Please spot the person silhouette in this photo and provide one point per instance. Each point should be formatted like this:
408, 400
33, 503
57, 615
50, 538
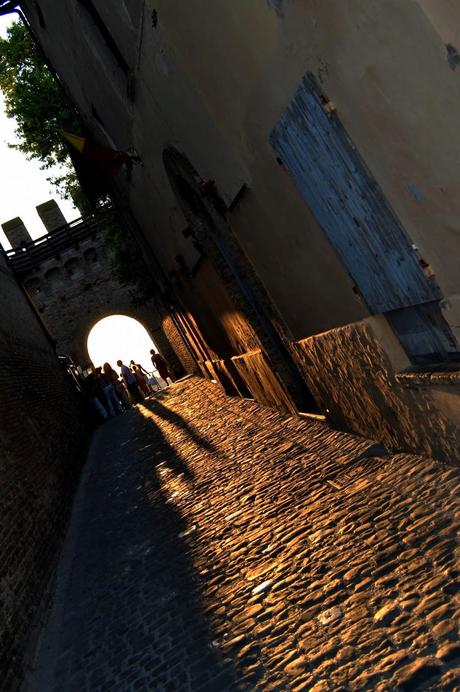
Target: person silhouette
161, 365
130, 382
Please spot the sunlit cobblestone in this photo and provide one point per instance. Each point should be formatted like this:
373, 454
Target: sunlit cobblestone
218, 545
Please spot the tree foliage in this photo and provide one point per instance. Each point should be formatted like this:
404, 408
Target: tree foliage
37, 104
128, 264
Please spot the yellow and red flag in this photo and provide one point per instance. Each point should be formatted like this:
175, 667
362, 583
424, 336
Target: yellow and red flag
109, 161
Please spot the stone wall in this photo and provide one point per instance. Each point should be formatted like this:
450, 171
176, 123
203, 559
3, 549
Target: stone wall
76, 287
43, 434
355, 382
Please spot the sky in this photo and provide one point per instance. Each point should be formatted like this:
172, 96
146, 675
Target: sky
120, 337
22, 184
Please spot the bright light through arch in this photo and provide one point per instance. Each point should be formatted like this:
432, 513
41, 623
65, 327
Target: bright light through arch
120, 337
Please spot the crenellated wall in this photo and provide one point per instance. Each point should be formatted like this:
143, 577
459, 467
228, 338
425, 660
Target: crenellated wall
74, 284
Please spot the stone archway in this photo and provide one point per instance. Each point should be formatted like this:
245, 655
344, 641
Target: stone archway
71, 280
86, 304
208, 294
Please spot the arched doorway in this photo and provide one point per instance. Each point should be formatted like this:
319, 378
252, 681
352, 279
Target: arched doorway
119, 337
233, 313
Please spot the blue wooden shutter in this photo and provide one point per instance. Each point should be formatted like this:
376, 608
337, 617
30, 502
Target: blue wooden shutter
349, 205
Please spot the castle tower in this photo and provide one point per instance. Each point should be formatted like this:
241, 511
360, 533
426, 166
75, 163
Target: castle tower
17, 233
51, 215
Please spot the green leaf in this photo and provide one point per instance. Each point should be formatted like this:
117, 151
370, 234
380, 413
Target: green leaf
35, 101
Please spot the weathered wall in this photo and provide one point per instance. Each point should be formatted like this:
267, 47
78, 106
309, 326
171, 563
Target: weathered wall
42, 439
304, 256
236, 66
356, 383
385, 68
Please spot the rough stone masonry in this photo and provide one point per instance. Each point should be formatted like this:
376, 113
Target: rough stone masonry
70, 275
219, 545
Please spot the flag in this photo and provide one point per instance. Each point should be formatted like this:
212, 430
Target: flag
109, 161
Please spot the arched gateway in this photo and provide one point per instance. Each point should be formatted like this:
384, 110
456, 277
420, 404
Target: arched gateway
69, 276
119, 337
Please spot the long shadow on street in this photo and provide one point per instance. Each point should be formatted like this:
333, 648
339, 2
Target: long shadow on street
128, 612
163, 412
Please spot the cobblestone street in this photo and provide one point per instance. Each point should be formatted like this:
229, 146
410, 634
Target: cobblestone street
219, 545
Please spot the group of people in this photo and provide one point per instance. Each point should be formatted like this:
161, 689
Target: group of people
112, 393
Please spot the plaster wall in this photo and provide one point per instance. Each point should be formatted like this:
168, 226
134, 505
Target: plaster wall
385, 68
445, 18
164, 85
215, 78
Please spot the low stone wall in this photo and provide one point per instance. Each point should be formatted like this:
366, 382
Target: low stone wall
250, 375
43, 435
353, 380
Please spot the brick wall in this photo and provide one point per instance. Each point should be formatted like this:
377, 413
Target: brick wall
177, 345
43, 435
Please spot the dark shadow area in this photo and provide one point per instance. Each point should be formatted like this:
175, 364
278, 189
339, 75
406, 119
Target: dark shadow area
130, 613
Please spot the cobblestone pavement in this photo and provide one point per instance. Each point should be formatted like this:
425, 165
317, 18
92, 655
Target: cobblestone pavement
219, 545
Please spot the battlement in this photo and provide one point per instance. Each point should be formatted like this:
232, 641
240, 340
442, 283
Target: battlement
52, 245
